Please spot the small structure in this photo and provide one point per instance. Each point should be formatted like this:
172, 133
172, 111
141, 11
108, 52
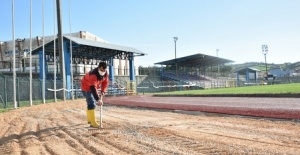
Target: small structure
86, 51
278, 72
246, 71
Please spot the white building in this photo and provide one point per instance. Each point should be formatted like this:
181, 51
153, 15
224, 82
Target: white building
23, 46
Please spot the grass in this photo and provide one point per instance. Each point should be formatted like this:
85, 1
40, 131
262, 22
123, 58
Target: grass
265, 89
10, 105
4, 110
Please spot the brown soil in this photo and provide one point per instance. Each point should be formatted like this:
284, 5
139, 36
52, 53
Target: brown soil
61, 128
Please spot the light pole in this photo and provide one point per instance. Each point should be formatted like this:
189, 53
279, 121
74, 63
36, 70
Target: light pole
60, 46
175, 39
217, 50
265, 52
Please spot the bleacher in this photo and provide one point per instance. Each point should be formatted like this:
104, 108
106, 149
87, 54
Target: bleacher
154, 84
185, 78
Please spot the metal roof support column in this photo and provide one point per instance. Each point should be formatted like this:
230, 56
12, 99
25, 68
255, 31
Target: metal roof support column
247, 75
126, 67
189, 73
131, 68
237, 79
120, 67
68, 71
42, 68
162, 72
111, 71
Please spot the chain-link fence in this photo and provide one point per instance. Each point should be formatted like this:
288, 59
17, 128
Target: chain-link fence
169, 86
152, 83
23, 93
157, 84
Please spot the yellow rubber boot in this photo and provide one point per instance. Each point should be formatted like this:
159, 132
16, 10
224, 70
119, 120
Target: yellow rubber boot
93, 119
88, 116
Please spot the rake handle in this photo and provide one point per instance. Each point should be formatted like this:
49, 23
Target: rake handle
101, 112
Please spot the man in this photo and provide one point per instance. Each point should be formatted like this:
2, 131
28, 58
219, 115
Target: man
90, 83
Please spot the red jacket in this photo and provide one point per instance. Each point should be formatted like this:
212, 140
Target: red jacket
92, 80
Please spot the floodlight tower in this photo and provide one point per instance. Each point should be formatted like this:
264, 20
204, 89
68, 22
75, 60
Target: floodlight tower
175, 40
265, 52
217, 50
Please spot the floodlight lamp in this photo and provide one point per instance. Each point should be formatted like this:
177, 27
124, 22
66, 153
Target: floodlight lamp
264, 49
19, 40
175, 39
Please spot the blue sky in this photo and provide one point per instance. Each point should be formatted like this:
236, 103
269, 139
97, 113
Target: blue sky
237, 28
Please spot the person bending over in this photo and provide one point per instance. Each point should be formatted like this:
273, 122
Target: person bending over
90, 83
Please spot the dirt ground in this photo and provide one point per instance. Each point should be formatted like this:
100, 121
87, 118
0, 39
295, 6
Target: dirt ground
61, 128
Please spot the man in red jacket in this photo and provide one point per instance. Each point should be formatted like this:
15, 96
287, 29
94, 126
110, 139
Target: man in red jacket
90, 83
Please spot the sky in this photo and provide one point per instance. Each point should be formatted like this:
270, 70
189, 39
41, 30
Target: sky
238, 28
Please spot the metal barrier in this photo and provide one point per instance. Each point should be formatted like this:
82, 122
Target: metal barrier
131, 88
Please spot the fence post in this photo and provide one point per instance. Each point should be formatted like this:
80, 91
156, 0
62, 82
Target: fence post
41, 89
75, 85
18, 91
5, 94
52, 81
28, 86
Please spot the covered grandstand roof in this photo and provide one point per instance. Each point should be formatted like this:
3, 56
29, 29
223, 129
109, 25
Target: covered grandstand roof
196, 60
244, 70
90, 49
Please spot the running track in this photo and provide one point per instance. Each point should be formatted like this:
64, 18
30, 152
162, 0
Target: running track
288, 108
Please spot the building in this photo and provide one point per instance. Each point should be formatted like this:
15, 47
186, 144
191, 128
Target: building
121, 67
278, 72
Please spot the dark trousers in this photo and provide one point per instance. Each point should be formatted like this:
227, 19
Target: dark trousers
89, 100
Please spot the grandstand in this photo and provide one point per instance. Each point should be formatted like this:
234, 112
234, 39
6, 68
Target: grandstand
192, 69
191, 74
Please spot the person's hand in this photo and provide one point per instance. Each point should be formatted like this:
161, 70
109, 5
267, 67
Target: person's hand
99, 102
102, 93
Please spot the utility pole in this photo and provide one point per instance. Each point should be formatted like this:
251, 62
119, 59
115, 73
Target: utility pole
217, 50
265, 52
175, 40
61, 47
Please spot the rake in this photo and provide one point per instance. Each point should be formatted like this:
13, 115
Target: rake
101, 97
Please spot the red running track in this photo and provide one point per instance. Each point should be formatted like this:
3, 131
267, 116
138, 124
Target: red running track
288, 108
